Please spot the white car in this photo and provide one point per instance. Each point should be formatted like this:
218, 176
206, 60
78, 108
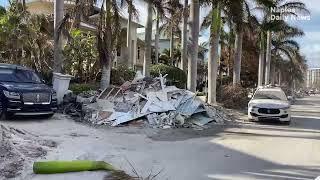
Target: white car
269, 104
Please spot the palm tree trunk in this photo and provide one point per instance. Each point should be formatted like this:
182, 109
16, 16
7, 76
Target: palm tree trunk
77, 19
279, 78
105, 74
184, 42
237, 57
129, 41
273, 74
229, 46
156, 44
58, 17
194, 37
261, 60
148, 36
105, 47
171, 44
268, 58
213, 57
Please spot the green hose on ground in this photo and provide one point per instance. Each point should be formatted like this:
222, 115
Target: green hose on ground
53, 167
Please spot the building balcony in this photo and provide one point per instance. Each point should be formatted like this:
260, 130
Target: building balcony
46, 6
68, 2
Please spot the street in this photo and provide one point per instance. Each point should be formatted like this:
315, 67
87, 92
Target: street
241, 151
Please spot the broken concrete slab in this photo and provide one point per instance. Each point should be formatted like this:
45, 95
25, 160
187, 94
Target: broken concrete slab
201, 120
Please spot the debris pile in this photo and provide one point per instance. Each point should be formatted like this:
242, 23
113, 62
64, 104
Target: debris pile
150, 99
17, 148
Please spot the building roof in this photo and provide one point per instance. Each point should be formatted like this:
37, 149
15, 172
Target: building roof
315, 68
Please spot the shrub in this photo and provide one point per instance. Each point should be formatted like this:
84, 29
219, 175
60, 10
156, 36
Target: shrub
79, 88
234, 97
121, 74
175, 76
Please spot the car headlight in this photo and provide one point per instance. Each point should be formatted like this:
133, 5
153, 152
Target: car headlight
12, 95
54, 95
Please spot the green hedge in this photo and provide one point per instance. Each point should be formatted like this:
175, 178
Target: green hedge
175, 76
121, 74
79, 88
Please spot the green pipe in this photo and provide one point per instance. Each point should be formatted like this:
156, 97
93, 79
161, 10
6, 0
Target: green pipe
53, 167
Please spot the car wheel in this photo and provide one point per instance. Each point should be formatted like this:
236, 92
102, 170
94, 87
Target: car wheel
3, 114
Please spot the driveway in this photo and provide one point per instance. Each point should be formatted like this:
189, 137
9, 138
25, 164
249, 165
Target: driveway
241, 151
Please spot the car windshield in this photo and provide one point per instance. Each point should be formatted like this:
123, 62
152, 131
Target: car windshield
269, 95
19, 76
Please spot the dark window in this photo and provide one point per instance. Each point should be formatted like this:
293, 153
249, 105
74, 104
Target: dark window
138, 52
18, 75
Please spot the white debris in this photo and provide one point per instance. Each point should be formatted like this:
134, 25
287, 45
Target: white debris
150, 99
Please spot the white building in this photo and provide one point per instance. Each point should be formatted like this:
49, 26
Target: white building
47, 7
312, 78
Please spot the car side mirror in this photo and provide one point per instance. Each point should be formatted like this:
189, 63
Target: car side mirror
290, 98
44, 81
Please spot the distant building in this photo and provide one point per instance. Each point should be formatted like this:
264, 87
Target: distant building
164, 43
312, 78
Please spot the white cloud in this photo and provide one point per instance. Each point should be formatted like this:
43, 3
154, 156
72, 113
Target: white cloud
310, 47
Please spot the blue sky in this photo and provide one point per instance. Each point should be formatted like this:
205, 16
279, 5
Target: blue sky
3, 2
310, 43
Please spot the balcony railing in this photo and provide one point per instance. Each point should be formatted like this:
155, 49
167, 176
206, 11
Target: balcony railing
52, 1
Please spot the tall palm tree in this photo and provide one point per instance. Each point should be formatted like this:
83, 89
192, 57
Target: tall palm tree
58, 17
215, 28
236, 12
172, 21
214, 56
297, 7
194, 37
159, 9
148, 37
261, 59
132, 12
184, 39
108, 37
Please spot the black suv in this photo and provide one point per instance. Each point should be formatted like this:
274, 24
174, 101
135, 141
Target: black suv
23, 93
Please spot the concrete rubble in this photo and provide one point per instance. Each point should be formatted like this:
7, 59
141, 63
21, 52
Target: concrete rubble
149, 99
18, 149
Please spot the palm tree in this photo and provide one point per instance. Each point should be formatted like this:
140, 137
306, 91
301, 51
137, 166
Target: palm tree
235, 9
261, 59
194, 37
148, 37
296, 7
108, 38
213, 55
58, 18
184, 38
132, 12
172, 21
159, 16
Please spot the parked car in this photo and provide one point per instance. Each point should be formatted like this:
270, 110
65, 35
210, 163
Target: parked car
312, 92
269, 103
23, 93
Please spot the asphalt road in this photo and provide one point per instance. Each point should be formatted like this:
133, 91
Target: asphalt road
246, 151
